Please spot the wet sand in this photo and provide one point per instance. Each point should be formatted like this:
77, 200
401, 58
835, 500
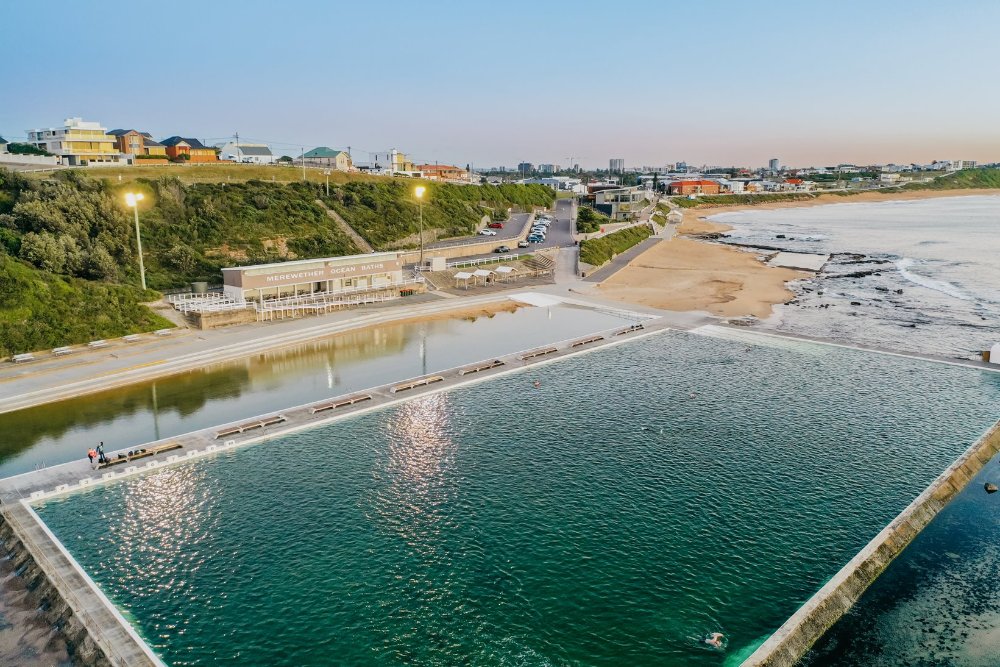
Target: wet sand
689, 273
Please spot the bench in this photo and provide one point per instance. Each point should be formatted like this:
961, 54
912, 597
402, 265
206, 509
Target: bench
139, 454
131, 338
249, 426
539, 353
341, 404
60, 351
423, 382
628, 330
162, 332
95, 344
21, 358
483, 367
587, 341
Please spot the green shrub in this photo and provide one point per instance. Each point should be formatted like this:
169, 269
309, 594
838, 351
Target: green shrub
589, 220
600, 250
40, 310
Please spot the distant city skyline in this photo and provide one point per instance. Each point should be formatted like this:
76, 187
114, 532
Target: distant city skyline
550, 83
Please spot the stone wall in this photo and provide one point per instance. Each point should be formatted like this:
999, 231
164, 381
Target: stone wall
43, 595
791, 641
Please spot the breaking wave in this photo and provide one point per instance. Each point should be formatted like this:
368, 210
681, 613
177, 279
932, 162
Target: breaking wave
937, 285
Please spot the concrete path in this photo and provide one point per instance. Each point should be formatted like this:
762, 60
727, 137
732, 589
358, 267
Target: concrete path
24, 385
359, 241
621, 261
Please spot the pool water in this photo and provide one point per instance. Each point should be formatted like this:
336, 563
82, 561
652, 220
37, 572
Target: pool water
644, 496
146, 411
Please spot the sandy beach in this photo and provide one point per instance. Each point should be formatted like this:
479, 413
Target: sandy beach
688, 273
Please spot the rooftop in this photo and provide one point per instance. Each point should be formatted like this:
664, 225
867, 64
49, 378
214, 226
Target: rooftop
372, 256
322, 151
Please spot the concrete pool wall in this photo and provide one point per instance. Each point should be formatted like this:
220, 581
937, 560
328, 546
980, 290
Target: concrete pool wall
95, 630
797, 635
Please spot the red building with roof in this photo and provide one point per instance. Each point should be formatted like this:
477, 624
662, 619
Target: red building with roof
701, 187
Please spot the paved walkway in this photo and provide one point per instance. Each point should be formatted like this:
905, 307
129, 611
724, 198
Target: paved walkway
621, 261
359, 241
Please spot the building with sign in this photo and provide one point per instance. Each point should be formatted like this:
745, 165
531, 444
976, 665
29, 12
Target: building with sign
331, 275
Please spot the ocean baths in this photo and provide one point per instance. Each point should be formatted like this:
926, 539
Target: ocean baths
606, 516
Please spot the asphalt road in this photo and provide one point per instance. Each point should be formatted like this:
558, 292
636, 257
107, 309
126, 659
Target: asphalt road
560, 233
511, 229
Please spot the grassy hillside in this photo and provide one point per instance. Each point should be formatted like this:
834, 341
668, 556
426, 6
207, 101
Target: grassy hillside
39, 310
387, 211
966, 178
589, 220
215, 173
598, 251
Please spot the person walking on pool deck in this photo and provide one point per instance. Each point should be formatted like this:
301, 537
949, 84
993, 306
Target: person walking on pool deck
91, 454
100, 453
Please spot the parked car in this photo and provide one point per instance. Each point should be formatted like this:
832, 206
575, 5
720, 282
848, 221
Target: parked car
523, 244
501, 248
487, 232
496, 225
536, 238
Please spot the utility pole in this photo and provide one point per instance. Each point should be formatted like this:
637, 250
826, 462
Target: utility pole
238, 147
303, 149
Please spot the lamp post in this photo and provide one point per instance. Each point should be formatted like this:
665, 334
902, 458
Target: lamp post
326, 172
132, 199
419, 191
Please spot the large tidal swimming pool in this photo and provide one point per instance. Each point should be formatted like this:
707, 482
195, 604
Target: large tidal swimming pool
643, 496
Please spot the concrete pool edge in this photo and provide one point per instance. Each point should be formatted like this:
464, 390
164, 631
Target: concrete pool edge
82, 612
786, 646
95, 631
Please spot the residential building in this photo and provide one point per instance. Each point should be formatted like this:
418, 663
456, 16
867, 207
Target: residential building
77, 143
547, 168
134, 143
246, 153
694, 187
564, 183
773, 164
322, 156
195, 151
443, 172
616, 166
733, 186
962, 164
888, 177
620, 204
525, 167
390, 162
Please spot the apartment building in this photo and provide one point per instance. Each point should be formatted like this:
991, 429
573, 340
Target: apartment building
77, 142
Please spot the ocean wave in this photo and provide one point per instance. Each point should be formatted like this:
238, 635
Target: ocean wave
937, 285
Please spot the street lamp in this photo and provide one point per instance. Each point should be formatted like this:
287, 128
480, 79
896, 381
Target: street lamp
132, 199
326, 172
419, 191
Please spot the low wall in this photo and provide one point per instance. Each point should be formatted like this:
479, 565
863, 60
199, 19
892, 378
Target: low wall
791, 641
224, 318
44, 160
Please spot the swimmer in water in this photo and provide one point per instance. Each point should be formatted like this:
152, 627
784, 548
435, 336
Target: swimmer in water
537, 384
715, 639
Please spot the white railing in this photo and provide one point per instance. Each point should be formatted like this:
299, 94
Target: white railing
213, 303
484, 260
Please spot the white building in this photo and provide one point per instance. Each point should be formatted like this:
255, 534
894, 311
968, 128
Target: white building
247, 153
78, 142
962, 164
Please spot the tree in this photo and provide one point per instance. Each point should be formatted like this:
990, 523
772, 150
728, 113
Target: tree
44, 251
285, 158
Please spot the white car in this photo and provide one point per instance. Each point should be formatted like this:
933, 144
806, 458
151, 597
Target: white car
487, 232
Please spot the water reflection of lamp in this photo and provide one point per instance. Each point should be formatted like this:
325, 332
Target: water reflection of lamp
419, 191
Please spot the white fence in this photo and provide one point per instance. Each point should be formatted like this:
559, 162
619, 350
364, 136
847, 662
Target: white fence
213, 303
484, 260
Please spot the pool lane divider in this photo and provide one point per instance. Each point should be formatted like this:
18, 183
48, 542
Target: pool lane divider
796, 636
88, 619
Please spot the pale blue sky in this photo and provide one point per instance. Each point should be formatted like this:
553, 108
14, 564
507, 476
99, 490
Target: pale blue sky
495, 83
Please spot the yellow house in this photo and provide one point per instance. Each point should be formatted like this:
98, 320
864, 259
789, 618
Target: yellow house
78, 142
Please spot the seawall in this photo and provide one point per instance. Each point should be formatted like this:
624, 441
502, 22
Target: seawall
791, 641
66, 597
